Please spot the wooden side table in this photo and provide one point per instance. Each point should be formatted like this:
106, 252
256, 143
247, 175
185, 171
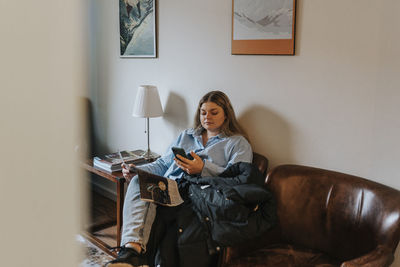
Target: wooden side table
119, 179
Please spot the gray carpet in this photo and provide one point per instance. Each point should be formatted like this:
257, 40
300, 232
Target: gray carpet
94, 257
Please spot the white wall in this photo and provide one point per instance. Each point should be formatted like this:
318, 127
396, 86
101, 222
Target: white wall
42, 71
334, 105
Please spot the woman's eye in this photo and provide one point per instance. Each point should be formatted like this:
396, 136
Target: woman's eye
211, 113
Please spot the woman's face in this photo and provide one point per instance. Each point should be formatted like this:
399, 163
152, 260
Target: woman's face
212, 117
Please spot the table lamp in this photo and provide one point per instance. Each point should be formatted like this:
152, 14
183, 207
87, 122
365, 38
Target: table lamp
147, 105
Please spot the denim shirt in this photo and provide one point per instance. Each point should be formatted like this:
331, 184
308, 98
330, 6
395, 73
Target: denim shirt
219, 153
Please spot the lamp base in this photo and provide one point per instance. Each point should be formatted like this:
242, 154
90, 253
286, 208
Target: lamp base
149, 155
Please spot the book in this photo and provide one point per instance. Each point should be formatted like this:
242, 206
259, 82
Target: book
112, 162
158, 189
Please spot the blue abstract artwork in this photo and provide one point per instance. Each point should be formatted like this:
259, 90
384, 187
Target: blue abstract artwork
137, 28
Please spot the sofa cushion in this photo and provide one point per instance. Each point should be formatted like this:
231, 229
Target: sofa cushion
284, 256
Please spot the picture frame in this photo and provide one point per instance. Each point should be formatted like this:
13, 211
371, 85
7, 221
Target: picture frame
263, 27
137, 27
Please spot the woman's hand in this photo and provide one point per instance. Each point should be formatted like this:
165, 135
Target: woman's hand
126, 173
194, 166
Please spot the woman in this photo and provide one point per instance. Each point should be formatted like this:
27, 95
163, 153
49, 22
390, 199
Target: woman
216, 142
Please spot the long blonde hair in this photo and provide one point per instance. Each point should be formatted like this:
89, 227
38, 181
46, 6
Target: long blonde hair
230, 126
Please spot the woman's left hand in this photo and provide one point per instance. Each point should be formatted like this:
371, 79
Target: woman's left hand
194, 166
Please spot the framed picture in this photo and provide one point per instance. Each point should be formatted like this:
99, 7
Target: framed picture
263, 27
137, 28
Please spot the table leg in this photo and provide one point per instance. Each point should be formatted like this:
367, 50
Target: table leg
120, 204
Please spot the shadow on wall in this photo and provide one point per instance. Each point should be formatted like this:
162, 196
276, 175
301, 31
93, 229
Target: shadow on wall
269, 134
176, 113
88, 142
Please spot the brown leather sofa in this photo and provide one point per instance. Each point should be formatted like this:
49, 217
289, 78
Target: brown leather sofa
326, 219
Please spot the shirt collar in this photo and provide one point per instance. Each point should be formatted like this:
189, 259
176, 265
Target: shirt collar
194, 132
198, 131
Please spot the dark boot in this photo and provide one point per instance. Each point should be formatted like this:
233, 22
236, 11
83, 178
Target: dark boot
128, 257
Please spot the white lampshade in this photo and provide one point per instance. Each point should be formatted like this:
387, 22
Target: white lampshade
147, 102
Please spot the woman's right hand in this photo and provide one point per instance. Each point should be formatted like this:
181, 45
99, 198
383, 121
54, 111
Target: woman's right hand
126, 173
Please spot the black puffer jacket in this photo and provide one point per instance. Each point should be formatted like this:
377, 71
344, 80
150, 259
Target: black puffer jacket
219, 211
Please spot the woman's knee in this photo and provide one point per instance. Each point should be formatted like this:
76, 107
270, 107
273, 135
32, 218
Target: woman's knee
133, 188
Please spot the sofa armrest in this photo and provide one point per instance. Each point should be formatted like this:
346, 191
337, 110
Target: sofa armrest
382, 256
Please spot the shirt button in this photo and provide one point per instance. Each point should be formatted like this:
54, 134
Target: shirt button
180, 230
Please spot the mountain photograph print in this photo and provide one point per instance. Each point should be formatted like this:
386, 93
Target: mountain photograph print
263, 27
137, 25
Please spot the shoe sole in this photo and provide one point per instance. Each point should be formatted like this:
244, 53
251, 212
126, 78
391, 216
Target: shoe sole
118, 264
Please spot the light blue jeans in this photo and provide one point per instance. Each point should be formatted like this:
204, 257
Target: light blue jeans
138, 216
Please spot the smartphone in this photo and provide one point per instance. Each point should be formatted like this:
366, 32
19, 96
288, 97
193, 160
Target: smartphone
181, 151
